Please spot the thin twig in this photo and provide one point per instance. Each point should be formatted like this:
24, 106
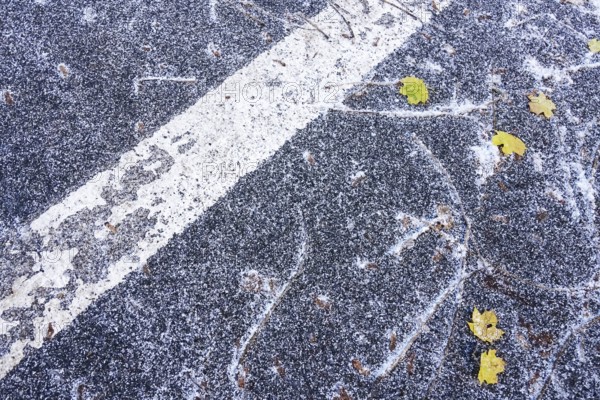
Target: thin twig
260, 22
241, 7
404, 10
313, 25
337, 10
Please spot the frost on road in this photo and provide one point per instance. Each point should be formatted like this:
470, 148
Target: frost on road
342, 200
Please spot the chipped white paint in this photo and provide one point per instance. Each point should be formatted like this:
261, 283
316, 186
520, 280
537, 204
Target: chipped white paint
52, 275
254, 127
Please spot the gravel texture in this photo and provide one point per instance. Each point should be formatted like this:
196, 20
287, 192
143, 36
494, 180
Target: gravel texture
350, 262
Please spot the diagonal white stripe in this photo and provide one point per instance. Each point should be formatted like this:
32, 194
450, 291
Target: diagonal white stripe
251, 115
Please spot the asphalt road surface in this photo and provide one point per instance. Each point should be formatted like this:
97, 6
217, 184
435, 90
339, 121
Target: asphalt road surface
231, 199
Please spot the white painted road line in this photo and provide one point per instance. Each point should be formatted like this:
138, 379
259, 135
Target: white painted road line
243, 122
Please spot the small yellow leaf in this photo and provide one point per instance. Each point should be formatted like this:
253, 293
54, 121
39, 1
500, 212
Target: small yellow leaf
484, 326
541, 104
490, 367
510, 144
594, 45
414, 89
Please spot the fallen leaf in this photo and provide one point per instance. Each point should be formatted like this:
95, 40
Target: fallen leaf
414, 89
50, 331
251, 282
343, 395
594, 45
484, 326
410, 363
323, 302
371, 266
541, 104
279, 367
500, 218
110, 227
241, 378
393, 340
510, 144
490, 367
359, 368
64, 70
309, 158
8, 99
80, 391
358, 178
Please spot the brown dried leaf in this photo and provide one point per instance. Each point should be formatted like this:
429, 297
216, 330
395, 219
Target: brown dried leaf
359, 368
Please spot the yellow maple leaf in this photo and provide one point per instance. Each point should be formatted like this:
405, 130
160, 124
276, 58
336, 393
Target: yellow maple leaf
510, 144
490, 366
414, 89
541, 104
484, 326
594, 45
